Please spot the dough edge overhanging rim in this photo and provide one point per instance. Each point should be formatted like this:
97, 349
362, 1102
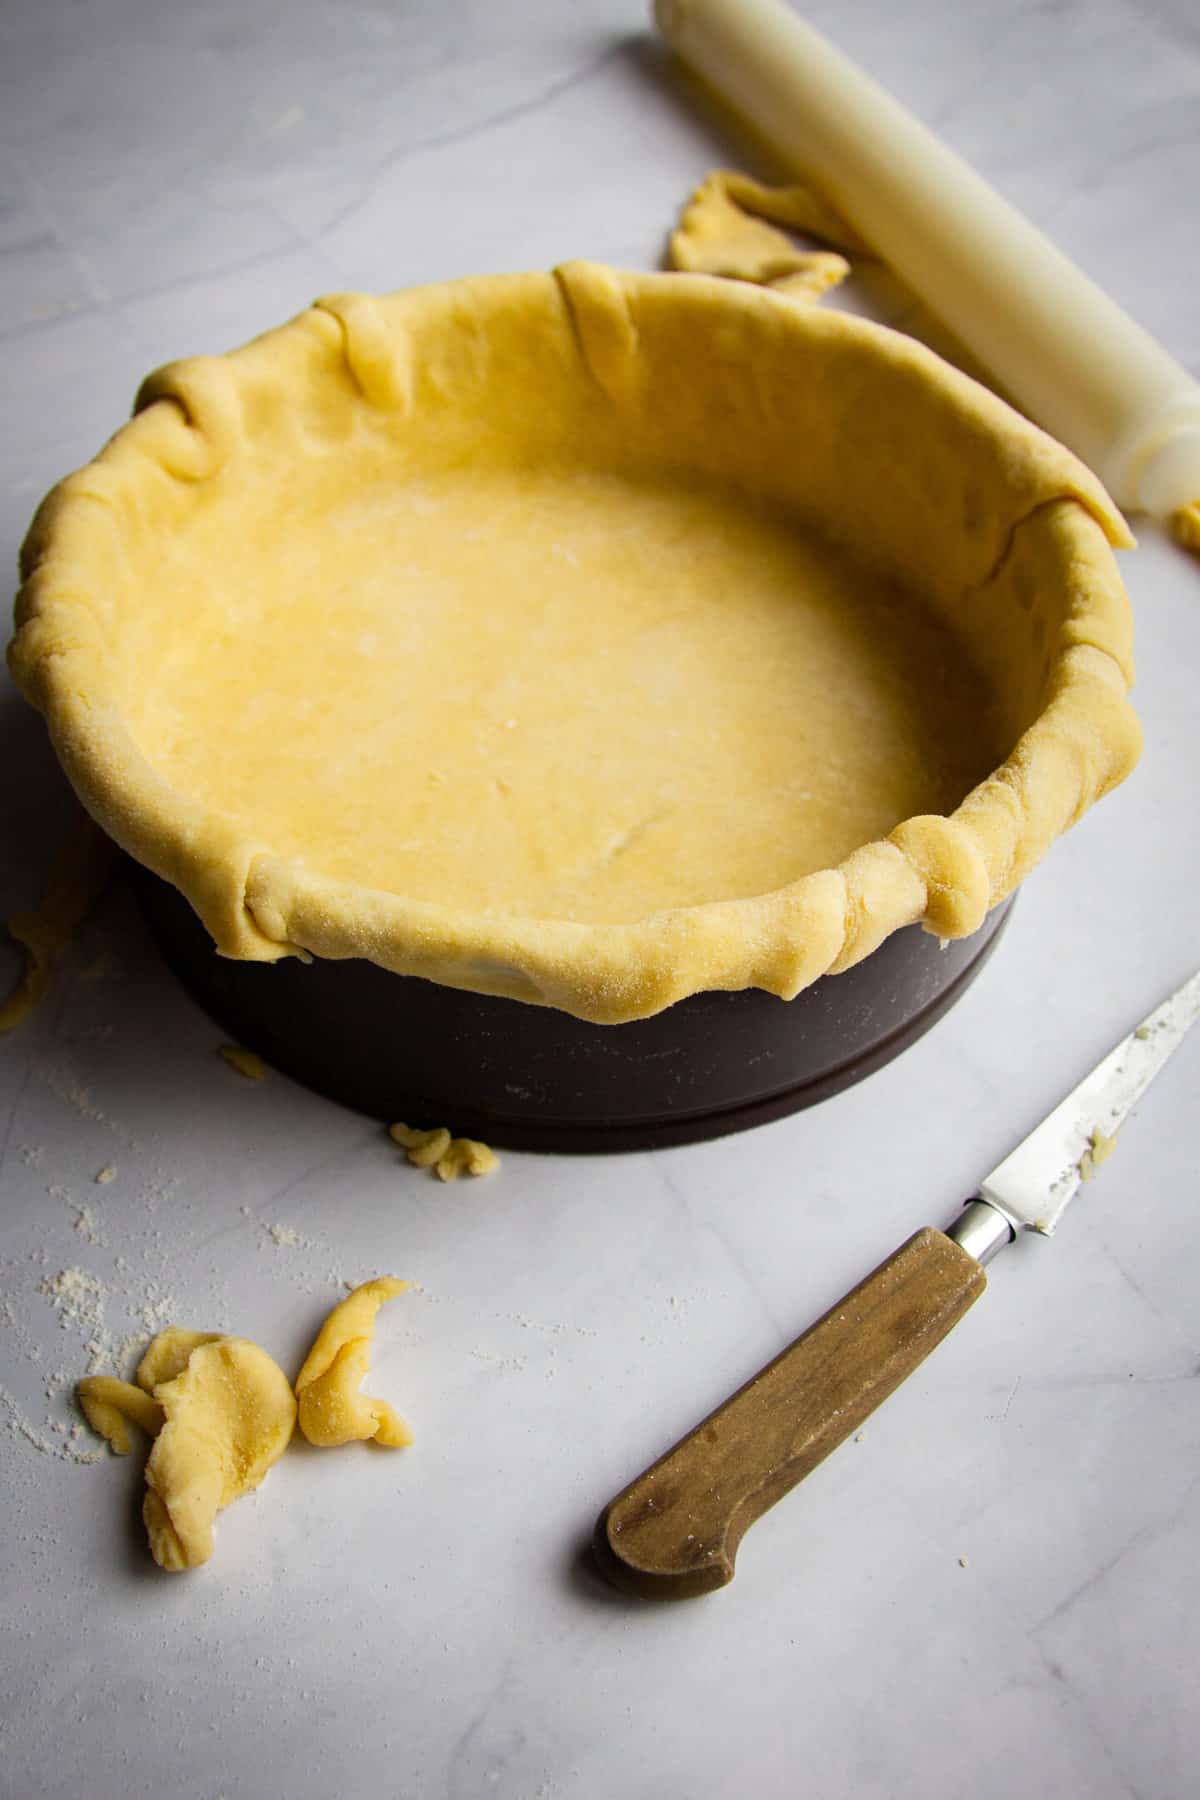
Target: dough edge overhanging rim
945, 873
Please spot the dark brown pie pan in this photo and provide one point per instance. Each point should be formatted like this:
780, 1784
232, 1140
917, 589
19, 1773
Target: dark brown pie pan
533, 1078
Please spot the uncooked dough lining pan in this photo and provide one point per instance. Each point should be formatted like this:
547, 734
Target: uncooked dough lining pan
534, 1078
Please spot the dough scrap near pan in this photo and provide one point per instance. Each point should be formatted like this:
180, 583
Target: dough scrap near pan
110, 1406
220, 1412
331, 1409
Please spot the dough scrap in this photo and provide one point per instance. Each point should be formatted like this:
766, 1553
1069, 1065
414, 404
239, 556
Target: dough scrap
77, 878
1185, 526
109, 1405
220, 1412
331, 1409
728, 228
1100, 1147
229, 1416
465, 1156
423, 1148
448, 1157
246, 1062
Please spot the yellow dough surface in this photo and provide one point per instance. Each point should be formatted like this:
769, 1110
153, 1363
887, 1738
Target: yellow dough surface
495, 632
110, 1406
331, 1409
558, 693
77, 878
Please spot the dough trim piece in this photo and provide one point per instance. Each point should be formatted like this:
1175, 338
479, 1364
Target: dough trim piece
424, 1149
229, 1414
247, 1063
1185, 527
331, 1409
448, 1157
726, 229
998, 530
220, 1412
110, 1406
465, 1156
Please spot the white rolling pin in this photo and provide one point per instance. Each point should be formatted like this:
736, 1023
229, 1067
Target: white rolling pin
1065, 352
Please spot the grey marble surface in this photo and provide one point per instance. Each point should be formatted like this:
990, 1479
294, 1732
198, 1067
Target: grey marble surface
174, 179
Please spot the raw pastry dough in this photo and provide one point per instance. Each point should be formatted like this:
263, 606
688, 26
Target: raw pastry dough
77, 879
229, 1416
110, 1406
448, 1157
465, 1156
245, 1062
423, 1148
589, 638
332, 1411
1185, 526
220, 1412
167, 1354
726, 230
1098, 1149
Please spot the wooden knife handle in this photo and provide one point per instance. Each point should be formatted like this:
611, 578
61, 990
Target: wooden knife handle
674, 1531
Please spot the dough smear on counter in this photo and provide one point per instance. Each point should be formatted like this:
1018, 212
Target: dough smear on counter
332, 1411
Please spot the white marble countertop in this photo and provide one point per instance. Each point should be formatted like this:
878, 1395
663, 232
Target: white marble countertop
996, 1591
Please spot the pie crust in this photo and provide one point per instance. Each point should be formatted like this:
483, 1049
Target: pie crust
590, 638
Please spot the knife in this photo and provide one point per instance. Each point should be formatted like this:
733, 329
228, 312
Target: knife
674, 1532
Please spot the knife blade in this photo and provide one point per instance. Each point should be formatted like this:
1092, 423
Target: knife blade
675, 1530
1035, 1185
